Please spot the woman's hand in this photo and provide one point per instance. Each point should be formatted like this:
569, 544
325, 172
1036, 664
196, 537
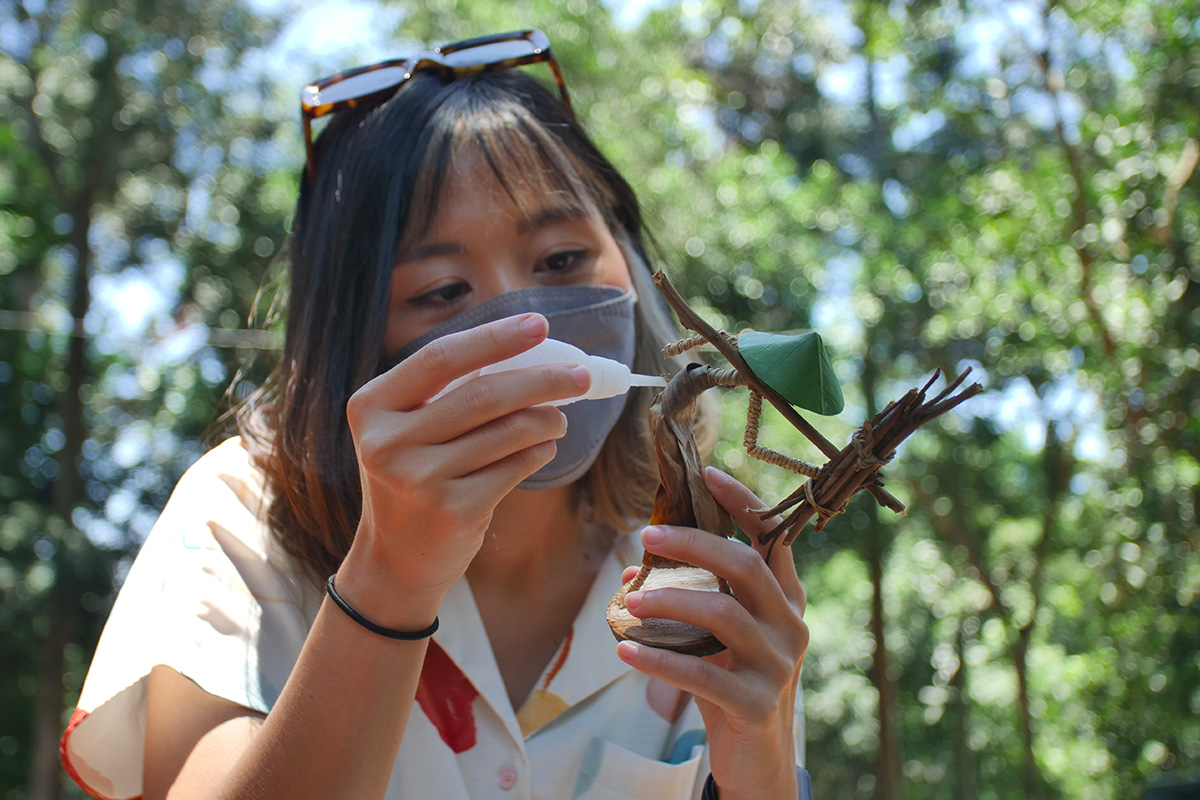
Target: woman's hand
433, 470
746, 694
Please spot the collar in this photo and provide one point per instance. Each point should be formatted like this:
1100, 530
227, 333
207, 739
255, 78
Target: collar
586, 660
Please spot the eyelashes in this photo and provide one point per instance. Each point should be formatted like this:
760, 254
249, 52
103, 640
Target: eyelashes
566, 261
441, 296
565, 265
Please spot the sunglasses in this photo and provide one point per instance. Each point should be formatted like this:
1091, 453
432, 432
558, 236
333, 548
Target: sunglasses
372, 85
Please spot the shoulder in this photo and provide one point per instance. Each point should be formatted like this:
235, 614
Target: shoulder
228, 464
223, 483
220, 506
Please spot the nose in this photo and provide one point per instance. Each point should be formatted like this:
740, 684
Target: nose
500, 278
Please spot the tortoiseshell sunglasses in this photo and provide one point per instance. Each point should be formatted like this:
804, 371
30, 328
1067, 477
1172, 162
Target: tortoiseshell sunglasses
373, 84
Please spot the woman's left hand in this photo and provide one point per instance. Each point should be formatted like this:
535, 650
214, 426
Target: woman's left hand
747, 693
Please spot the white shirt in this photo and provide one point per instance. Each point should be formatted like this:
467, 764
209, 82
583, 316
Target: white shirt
213, 596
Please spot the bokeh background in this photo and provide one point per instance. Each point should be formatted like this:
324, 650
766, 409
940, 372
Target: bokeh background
1005, 186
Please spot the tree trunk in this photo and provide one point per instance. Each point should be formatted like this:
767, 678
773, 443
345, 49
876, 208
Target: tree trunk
888, 773
46, 775
45, 770
888, 768
966, 767
1029, 770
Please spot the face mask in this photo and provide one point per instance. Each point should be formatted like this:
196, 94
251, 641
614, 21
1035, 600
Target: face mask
596, 319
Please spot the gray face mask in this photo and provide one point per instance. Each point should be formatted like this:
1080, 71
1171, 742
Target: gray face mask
596, 319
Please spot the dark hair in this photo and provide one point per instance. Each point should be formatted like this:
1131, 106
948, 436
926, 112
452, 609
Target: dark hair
377, 186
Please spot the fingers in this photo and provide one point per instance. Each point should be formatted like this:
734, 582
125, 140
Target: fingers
741, 503
430, 369
745, 507
754, 583
491, 397
490, 460
770, 645
490, 484
752, 698
501, 438
628, 574
725, 617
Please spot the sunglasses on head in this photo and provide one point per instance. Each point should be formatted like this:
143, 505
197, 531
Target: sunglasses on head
371, 85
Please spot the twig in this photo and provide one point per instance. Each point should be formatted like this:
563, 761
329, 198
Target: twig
870, 448
726, 346
851, 469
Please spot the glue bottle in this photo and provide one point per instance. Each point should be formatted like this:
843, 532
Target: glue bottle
609, 377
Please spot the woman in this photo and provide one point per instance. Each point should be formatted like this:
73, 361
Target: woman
453, 214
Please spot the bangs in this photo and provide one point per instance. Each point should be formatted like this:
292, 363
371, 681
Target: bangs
526, 154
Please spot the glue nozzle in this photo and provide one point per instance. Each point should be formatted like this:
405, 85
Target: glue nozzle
609, 378
647, 380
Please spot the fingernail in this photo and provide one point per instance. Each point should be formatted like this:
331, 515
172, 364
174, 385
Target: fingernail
652, 535
633, 600
533, 326
583, 378
627, 651
715, 476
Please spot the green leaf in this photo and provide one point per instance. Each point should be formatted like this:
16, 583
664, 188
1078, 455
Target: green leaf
796, 366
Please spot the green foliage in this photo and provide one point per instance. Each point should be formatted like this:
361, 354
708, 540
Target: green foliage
128, 230
1010, 188
796, 366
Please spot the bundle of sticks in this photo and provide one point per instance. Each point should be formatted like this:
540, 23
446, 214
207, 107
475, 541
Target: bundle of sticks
857, 465
849, 470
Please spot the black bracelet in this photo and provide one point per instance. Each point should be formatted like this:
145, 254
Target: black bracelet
803, 783
371, 626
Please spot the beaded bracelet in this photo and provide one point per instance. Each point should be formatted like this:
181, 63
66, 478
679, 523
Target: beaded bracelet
371, 626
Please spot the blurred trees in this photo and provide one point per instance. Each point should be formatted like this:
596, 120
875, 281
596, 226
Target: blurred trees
136, 210
1006, 186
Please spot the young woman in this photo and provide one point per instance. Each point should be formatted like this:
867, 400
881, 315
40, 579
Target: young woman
276, 635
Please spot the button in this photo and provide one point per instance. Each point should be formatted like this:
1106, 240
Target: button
507, 778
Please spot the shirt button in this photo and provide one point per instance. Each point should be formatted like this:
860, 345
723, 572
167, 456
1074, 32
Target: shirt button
507, 778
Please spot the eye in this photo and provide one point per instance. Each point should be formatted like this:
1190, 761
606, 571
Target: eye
441, 296
566, 262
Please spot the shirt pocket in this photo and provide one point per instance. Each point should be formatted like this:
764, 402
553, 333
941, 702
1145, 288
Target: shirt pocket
610, 772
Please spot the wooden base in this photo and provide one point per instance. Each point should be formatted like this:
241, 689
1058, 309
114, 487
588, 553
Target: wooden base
666, 633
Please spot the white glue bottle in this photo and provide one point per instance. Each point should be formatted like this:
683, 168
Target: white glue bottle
609, 377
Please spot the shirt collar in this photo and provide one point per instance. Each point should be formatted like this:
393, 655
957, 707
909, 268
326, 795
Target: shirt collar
586, 661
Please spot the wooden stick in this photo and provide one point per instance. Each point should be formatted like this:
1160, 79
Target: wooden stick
692, 321
848, 472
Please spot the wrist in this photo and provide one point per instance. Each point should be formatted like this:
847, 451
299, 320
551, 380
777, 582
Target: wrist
786, 788
769, 775
384, 599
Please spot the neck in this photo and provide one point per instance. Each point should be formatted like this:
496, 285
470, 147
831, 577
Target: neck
530, 578
534, 537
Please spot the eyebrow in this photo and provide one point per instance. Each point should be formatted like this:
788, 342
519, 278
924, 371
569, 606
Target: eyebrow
543, 218
549, 216
431, 250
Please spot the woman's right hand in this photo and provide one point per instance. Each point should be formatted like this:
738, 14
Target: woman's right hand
433, 471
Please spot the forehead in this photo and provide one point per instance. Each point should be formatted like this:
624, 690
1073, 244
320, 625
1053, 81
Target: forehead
473, 193
510, 161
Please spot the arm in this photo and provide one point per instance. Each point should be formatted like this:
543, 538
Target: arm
432, 474
746, 695
334, 731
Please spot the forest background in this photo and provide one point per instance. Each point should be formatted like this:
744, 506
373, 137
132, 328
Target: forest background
1006, 186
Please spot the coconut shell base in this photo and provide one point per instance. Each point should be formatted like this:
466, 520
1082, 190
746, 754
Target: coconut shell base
667, 634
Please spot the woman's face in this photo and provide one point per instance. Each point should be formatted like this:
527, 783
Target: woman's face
480, 245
